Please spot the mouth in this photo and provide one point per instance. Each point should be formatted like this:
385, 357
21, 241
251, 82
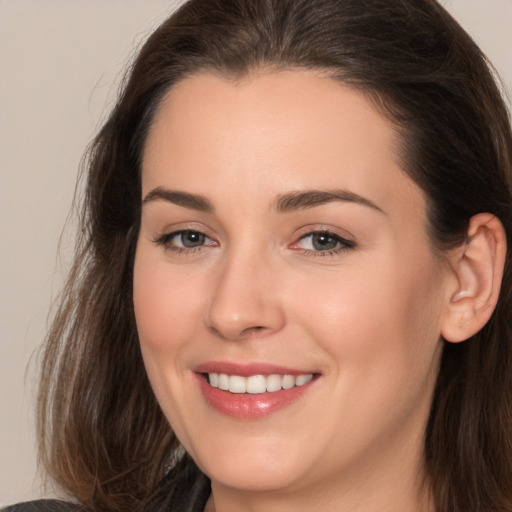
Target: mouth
252, 391
256, 384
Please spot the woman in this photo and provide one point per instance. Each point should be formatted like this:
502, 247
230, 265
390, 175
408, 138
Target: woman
292, 290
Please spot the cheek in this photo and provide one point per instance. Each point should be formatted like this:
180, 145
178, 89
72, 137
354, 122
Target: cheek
381, 318
167, 305
168, 315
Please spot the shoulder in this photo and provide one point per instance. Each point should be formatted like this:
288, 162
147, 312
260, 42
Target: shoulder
43, 506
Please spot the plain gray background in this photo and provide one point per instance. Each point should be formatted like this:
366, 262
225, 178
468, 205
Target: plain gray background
60, 64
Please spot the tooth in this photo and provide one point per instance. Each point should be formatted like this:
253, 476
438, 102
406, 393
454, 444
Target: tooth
223, 381
303, 379
274, 382
237, 384
256, 384
213, 379
288, 381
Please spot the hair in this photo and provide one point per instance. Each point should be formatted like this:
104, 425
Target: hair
103, 437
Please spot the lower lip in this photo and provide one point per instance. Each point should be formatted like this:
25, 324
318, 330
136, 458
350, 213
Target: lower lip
250, 406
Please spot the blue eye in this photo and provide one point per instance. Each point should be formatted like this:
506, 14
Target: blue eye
184, 240
324, 242
189, 239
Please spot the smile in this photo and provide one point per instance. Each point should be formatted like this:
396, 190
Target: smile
252, 390
256, 384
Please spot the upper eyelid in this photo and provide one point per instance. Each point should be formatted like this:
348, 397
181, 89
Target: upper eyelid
306, 232
325, 228
165, 242
324, 232
345, 241
300, 233
340, 238
179, 227
169, 234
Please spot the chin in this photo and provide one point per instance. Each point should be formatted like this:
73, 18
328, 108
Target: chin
251, 469
244, 478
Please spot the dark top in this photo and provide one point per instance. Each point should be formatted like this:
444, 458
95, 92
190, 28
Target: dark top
184, 489
42, 506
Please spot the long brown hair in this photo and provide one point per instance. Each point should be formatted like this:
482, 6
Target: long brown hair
102, 435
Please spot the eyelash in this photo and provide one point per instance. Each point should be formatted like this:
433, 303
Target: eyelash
166, 241
342, 244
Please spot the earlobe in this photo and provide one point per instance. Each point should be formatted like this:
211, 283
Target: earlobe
478, 268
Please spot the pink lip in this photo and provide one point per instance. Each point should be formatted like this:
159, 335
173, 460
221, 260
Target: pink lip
249, 406
246, 370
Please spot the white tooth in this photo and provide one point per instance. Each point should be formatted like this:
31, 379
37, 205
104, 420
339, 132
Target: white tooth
237, 384
303, 379
223, 381
288, 381
274, 382
256, 384
213, 379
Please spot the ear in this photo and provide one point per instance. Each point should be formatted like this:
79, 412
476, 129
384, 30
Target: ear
478, 269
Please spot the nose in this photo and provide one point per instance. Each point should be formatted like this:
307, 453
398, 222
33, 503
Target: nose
245, 301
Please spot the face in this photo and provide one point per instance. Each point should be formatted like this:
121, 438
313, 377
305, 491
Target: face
287, 297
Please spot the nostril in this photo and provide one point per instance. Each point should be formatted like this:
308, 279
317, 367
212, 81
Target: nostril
249, 332
257, 329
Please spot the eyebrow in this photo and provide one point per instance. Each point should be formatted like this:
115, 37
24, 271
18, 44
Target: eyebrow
185, 199
312, 198
285, 203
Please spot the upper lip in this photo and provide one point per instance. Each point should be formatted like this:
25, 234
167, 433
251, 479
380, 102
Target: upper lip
248, 369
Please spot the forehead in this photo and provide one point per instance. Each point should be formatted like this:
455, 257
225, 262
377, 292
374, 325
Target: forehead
289, 129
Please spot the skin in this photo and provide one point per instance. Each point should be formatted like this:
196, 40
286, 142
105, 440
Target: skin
366, 318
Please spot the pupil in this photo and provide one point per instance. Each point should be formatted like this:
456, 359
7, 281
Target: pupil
192, 239
324, 241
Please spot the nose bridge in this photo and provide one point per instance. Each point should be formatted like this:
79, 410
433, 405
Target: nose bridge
244, 300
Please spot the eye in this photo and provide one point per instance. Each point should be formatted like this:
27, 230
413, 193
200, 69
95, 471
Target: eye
188, 239
185, 240
324, 243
